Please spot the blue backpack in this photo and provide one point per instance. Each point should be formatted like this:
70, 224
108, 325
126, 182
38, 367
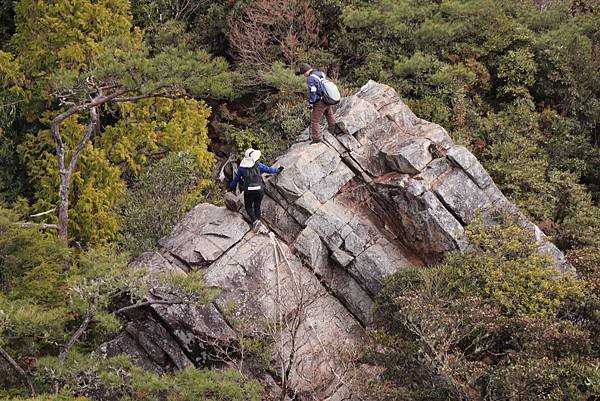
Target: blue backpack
251, 179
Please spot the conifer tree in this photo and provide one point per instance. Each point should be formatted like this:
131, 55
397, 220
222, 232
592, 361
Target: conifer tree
80, 58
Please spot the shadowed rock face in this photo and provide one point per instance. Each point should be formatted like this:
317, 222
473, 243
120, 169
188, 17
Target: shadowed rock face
388, 192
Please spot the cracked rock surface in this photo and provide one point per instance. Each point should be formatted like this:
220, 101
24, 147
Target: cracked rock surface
345, 214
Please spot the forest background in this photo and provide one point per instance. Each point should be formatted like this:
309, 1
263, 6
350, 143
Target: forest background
161, 91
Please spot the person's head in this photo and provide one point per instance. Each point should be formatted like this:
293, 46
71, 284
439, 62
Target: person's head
304, 69
251, 156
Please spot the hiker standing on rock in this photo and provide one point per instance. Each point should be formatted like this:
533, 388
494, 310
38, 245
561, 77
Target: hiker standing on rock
250, 178
322, 94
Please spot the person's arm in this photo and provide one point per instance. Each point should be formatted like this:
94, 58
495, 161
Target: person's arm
312, 83
234, 183
269, 170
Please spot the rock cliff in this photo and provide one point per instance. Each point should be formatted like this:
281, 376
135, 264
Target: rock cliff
389, 191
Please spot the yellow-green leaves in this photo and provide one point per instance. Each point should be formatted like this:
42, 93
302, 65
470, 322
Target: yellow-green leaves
150, 129
66, 34
11, 76
510, 272
96, 189
147, 132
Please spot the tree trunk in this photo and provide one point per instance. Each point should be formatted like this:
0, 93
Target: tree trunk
66, 171
63, 205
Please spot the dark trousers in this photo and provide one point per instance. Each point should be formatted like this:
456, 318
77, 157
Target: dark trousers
252, 200
318, 110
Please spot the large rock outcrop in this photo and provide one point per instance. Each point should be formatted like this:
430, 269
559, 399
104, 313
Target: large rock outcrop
390, 191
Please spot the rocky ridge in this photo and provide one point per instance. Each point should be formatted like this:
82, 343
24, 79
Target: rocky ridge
391, 190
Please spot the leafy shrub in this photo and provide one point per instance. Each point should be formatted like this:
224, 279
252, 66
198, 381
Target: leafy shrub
161, 196
494, 322
535, 379
510, 273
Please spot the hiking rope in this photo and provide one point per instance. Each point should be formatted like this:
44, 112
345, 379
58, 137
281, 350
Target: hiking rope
278, 303
278, 249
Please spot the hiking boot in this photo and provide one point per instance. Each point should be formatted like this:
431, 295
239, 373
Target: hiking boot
256, 226
316, 141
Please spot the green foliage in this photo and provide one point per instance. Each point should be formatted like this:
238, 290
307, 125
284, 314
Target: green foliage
152, 128
496, 322
283, 78
192, 384
512, 275
162, 194
279, 109
55, 50
147, 132
517, 70
27, 255
534, 379
90, 375
58, 69
96, 189
42, 306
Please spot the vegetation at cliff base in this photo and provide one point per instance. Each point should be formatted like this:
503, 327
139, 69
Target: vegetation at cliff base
495, 322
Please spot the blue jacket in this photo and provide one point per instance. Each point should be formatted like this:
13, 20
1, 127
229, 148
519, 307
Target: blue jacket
315, 90
261, 167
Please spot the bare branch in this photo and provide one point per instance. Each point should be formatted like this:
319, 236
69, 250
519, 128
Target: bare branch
43, 213
141, 97
97, 101
43, 226
82, 328
5, 355
147, 303
271, 30
11, 104
93, 124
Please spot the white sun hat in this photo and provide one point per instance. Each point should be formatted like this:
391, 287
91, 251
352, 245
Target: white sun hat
251, 157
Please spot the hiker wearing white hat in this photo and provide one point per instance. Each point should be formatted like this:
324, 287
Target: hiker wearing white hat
250, 179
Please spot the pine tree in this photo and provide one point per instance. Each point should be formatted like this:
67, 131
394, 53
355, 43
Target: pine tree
80, 56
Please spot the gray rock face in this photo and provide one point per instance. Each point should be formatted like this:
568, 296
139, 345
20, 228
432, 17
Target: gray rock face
204, 234
344, 215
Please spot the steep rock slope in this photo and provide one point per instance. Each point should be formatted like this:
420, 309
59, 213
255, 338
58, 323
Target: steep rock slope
389, 191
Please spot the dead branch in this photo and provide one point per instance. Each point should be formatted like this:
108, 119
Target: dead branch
273, 29
82, 328
6, 356
148, 303
43, 226
184, 9
11, 104
43, 213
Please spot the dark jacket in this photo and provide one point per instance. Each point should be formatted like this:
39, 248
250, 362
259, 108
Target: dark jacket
315, 90
261, 167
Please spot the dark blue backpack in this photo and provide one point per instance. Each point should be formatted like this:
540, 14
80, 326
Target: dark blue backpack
251, 179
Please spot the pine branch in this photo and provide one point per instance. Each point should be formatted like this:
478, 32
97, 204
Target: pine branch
147, 303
